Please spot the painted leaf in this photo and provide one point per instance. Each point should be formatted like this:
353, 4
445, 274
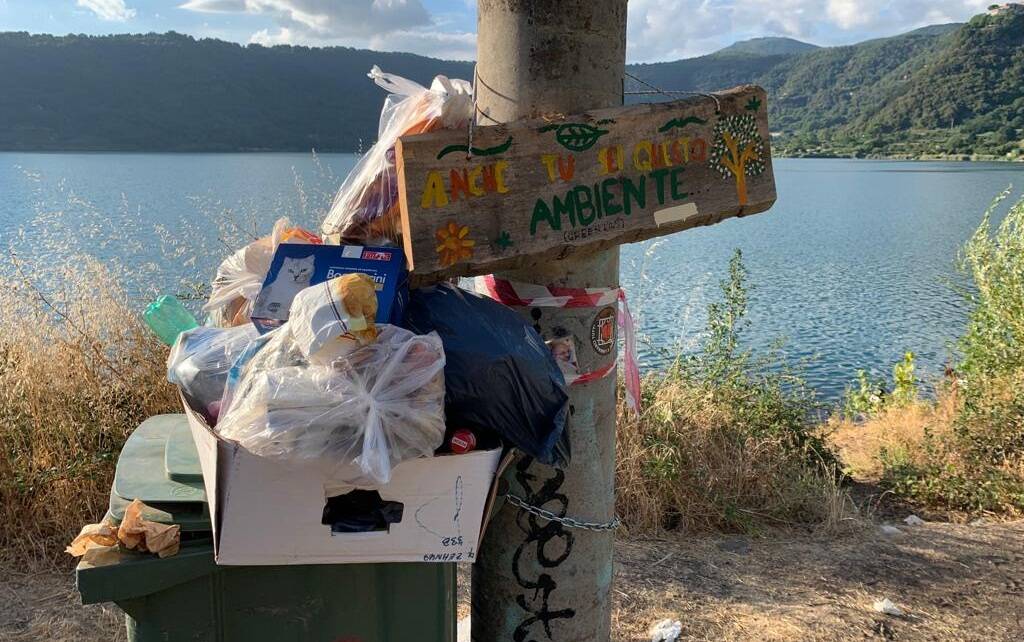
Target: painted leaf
578, 137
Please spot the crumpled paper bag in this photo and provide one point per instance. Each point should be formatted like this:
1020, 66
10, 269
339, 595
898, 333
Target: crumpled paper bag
93, 536
134, 533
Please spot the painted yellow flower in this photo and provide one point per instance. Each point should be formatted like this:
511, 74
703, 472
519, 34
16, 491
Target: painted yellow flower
452, 244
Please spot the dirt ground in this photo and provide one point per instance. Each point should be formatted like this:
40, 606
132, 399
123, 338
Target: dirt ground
952, 581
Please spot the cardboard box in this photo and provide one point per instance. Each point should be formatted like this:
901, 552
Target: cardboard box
296, 266
268, 512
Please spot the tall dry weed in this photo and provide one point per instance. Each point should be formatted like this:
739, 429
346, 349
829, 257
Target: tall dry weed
726, 440
896, 428
78, 372
690, 462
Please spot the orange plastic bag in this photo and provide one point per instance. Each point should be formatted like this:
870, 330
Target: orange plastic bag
365, 210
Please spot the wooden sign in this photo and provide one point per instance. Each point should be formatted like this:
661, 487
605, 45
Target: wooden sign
538, 190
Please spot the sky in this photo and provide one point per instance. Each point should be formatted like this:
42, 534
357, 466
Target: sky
657, 30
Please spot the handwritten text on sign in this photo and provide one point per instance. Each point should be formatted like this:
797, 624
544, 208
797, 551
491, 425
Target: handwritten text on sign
536, 190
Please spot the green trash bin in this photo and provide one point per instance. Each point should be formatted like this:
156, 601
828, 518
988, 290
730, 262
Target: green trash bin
189, 597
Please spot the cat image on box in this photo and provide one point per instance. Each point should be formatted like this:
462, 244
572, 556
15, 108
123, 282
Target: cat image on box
276, 298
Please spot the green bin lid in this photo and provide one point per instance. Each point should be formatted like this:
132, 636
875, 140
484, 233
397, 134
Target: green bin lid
159, 466
181, 461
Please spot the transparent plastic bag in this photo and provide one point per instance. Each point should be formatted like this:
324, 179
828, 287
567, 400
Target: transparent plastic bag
365, 210
199, 363
240, 276
379, 405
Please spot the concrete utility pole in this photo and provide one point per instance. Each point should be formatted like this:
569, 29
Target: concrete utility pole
535, 579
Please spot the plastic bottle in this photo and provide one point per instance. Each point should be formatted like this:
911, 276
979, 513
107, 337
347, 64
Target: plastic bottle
168, 318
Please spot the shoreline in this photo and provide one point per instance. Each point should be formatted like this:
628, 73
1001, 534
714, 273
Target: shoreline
924, 158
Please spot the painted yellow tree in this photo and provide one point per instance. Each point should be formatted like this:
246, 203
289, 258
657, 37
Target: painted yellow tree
738, 151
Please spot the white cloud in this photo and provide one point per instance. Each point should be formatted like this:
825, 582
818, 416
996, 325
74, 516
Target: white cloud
444, 45
384, 25
215, 6
847, 14
113, 10
320, 21
283, 36
657, 30
670, 29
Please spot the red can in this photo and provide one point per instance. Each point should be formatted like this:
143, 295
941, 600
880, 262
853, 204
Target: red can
462, 441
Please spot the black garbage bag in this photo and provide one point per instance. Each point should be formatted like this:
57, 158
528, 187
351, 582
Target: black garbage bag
498, 374
361, 511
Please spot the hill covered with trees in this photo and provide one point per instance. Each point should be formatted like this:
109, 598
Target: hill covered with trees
955, 90
175, 93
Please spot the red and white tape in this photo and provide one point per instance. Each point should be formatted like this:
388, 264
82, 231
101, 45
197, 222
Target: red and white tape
514, 293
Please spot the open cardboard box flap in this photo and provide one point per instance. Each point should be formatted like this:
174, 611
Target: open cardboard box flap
269, 512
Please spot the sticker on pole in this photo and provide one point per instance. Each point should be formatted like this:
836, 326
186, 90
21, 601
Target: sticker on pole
602, 331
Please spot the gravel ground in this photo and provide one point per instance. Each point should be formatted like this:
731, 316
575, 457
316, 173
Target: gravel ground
952, 582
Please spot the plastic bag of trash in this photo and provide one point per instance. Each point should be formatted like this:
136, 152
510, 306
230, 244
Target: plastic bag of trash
376, 406
499, 376
365, 210
331, 319
199, 363
240, 276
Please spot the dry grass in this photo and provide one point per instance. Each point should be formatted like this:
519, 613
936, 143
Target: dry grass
897, 429
40, 603
691, 463
960, 454
78, 372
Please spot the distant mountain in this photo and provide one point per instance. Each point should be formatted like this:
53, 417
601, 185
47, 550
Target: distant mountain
960, 92
945, 89
175, 93
769, 47
936, 30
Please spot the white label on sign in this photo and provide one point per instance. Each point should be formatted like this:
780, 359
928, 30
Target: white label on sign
675, 214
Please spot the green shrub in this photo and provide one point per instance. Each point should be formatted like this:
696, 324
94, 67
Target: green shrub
865, 397
977, 462
868, 395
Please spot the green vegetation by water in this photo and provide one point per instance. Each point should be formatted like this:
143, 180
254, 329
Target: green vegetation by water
964, 450
977, 464
953, 95
946, 91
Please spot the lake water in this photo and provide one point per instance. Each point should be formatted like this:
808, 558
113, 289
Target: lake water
851, 266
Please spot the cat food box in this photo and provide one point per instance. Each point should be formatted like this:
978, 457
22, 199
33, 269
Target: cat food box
296, 266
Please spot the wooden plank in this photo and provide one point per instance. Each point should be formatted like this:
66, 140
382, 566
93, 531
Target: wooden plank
540, 190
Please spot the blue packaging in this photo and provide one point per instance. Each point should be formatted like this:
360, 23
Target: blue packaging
297, 266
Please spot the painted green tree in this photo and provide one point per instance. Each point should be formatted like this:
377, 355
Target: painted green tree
738, 151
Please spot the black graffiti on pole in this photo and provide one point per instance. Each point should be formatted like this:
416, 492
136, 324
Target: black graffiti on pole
540, 532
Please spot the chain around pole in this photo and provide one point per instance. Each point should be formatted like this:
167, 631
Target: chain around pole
564, 521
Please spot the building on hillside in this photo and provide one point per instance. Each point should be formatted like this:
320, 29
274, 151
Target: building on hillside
1006, 7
